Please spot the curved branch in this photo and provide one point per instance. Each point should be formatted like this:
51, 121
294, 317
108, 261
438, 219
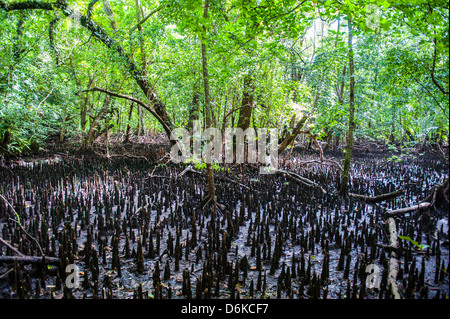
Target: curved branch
133, 99
140, 23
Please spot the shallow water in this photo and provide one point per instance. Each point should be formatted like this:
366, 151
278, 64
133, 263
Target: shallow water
62, 199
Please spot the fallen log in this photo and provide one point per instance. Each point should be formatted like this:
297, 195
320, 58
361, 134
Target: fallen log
30, 260
405, 210
300, 179
378, 198
393, 261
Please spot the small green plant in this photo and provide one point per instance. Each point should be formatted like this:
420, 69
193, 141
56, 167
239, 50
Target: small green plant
394, 158
392, 147
199, 165
420, 246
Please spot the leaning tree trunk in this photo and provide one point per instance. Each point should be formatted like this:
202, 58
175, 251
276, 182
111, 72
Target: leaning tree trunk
351, 116
290, 137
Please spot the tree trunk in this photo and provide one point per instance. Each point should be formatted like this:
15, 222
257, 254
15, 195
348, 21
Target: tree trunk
291, 136
245, 113
84, 104
93, 129
193, 116
209, 171
140, 125
141, 130
5, 140
351, 115
107, 139
130, 114
328, 139
193, 112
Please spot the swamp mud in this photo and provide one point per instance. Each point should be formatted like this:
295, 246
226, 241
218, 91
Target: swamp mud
132, 229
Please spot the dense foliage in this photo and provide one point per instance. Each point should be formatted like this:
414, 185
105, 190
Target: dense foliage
289, 57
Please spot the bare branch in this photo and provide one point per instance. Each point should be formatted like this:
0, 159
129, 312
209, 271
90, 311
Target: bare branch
131, 98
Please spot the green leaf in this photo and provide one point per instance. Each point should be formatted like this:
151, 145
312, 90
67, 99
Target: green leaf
420, 246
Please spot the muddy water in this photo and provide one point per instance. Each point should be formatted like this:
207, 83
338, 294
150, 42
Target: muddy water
128, 200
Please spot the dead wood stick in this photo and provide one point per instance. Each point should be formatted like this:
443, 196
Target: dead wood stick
405, 210
7, 272
141, 157
393, 261
187, 169
324, 162
29, 259
4, 242
300, 179
18, 222
127, 155
290, 152
28, 234
377, 199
